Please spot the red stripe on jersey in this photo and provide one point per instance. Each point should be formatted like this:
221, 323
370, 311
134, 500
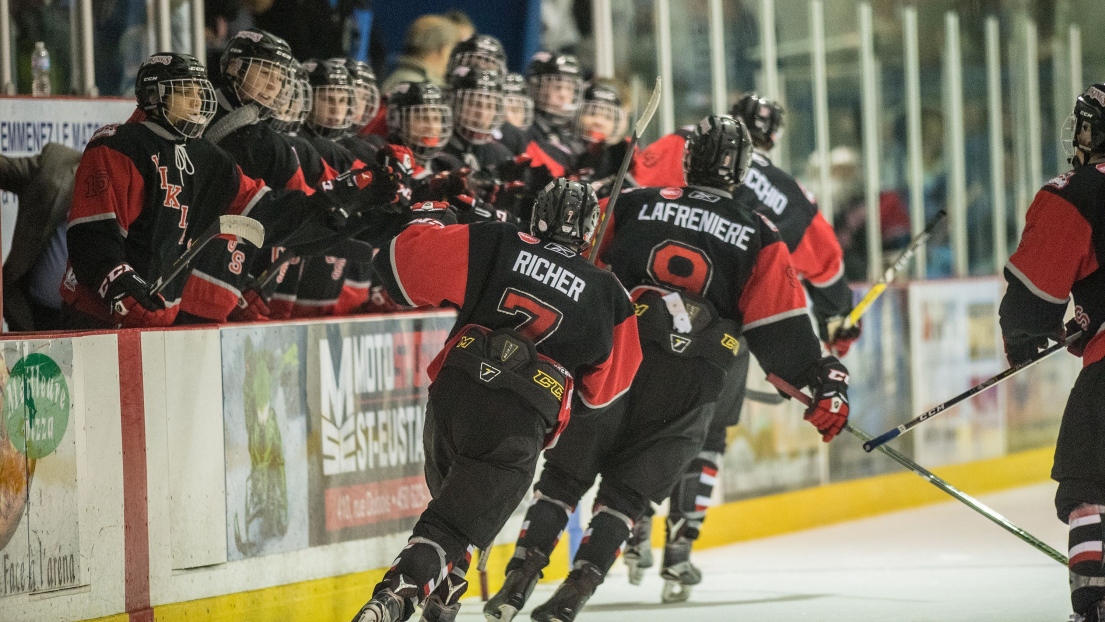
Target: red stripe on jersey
430, 263
248, 189
1056, 248
818, 256
378, 125
206, 298
352, 296
661, 164
711, 471
107, 184
538, 157
773, 291
1085, 556
299, 182
328, 172
603, 383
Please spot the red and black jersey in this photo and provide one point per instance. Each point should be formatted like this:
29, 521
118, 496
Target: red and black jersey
315, 169
459, 152
363, 146
513, 138
815, 252
1059, 255
550, 146
142, 196
499, 277
814, 249
703, 242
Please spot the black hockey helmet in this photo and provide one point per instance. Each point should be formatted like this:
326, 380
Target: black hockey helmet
554, 84
478, 52
331, 97
1088, 134
762, 116
419, 118
366, 93
718, 152
601, 118
174, 91
566, 212
517, 102
256, 65
476, 96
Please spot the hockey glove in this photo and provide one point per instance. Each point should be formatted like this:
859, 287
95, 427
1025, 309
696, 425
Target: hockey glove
435, 211
1020, 347
513, 170
829, 410
838, 338
442, 186
251, 308
1078, 347
130, 300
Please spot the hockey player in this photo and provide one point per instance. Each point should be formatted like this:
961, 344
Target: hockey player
518, 114
536, 322
817, 256
1058, 257
701, 269
599, 128
148, 189
478, 52
419, 119
554, 84
476, 98
366, 103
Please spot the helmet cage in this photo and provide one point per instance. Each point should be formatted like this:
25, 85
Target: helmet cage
290, 118
593, 119
543, 89
187, 105
1089, 114
476, 59
261, 81
424, 128
326, 117
477, 113
368, 93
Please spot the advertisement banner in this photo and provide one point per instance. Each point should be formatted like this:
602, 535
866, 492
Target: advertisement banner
956, 344
39, 537
265, 436
366, 395
27, 125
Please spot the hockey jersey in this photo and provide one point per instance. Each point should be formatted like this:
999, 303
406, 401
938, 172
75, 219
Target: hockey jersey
1059, 256
496, 276
703, 242
142, 196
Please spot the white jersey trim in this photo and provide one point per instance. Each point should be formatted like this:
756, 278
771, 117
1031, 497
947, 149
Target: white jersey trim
1032, 286
604, 404
257, 197
395, 273
831, 281
775, 318
93, 218
217, 282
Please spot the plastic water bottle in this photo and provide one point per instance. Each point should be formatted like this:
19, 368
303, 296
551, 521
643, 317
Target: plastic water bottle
40, 70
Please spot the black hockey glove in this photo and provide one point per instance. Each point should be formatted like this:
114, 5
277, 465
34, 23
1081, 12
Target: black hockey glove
469, 209
442, 186
123, 282
1021, 347
435, 211
1078, 346
829, 411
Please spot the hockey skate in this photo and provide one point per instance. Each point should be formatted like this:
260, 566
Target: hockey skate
570, 597
508, 601
638, 550
385, 606
679, 573
434, 610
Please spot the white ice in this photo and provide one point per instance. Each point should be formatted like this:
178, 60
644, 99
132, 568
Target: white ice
939, 563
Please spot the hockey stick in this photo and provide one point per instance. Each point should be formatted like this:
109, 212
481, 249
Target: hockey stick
638, 129
936, 410
963, 497
482, 568
873, 294
228, 227
764, 397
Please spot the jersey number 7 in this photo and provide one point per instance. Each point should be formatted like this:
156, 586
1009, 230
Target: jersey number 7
539, 318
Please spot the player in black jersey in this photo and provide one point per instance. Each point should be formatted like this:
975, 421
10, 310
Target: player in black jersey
1059, 257
536, 324
366, 102
476, 98
518, 117
148, 188
555, 85
599, 126
702, 269
419, 119
817, 256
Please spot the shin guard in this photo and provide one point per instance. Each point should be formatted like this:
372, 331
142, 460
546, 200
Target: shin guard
603, 540
544, 523
1087, 574
691, 496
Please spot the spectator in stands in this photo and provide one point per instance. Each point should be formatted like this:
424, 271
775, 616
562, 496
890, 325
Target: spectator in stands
463, 24
430, 40
34, 268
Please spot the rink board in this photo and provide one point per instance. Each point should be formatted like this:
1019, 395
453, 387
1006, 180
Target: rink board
271, 471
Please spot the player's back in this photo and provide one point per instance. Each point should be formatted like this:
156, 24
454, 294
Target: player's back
696, 240
775, 194
546, 290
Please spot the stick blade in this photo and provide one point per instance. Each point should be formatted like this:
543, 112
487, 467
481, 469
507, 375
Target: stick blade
650, 108
242, 227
